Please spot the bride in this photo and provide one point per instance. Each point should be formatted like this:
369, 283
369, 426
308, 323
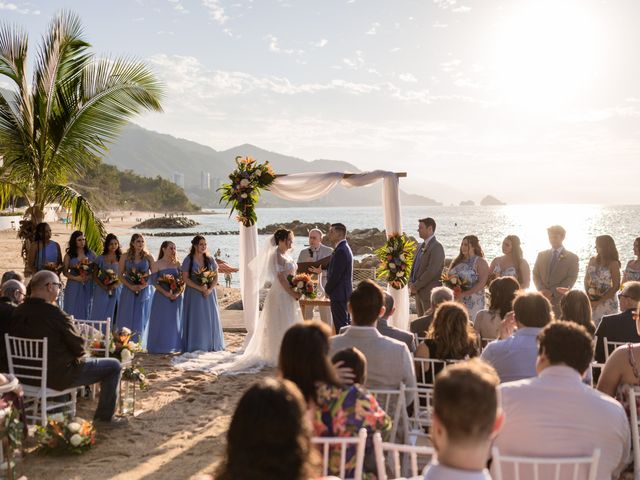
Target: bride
280, 311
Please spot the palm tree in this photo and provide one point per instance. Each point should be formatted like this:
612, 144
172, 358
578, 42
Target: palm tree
51, 130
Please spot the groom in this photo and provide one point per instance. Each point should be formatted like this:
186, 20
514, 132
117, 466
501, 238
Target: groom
339, 276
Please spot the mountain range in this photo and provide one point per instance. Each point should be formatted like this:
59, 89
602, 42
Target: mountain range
151, 154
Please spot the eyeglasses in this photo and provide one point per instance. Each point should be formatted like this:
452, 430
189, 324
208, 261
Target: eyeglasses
18, 292
57, 284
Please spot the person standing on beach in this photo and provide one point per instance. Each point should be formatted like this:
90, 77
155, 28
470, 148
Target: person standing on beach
427, 265
316, 251
555, 269
43, 251
78, 292
339, 276
105, 297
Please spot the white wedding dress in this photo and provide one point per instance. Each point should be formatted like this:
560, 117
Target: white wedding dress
279, 312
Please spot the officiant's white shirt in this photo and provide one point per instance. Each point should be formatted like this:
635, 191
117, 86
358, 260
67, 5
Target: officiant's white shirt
556, 415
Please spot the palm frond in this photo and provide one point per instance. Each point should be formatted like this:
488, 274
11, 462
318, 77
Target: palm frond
13, 54
83, 216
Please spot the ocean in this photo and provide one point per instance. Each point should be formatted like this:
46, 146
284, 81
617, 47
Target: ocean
491, 224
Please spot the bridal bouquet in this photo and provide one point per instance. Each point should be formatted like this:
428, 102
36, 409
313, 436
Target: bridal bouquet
244, 190
83, 268
303, 285
171, 283
455, 283
66, 434
396, 258
137, 277
109, 279
204, 276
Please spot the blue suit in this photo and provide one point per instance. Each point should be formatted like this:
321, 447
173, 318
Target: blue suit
339, 284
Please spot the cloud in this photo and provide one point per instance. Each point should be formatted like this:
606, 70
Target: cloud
216, 11
274, 47
440, 25
445, 4
12, 7
450, 65
320, 43
461, 9
407, 77
374, 28
177, 6
165, 32
355, 62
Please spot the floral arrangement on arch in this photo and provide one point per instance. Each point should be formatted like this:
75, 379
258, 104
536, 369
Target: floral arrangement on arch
396, 258
244, 190
64, 434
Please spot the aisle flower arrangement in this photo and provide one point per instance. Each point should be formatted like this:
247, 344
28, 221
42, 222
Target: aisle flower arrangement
303, 285
123, 347
247, 180
108, 278
64, 434
396, 258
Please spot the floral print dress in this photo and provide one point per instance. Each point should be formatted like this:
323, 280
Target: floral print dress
600, 280
342, 412
466, 271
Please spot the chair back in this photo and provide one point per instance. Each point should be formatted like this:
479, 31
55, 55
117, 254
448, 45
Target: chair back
328, 444
544, 468
633, 395
392, 402
394, 452
610, 346
417, 415
426, 370
95, 331
27, 359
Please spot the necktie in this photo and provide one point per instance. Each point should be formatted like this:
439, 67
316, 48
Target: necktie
554, 260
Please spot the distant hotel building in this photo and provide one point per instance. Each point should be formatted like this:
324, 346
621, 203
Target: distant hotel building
205, 180
178, 179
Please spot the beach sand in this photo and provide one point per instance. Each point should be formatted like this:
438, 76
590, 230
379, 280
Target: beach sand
180, 430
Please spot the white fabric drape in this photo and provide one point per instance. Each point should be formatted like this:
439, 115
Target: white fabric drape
311, 186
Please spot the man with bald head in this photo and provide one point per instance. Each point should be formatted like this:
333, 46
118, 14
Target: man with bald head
12, 293
39, 317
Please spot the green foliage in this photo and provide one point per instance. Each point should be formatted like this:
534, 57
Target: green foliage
107, 188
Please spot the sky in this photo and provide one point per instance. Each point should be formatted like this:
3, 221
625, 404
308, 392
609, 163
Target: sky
530, 101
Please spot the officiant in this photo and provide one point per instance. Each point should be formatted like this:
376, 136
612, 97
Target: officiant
314, 254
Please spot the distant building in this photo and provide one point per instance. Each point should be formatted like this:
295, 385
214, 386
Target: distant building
216, 183
205, 180
178, 179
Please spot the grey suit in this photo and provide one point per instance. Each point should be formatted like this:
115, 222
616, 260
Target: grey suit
564, 274
308, 255
392, 332
427, 274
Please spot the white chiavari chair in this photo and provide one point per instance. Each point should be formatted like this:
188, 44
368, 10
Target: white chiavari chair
544, 468
328, 445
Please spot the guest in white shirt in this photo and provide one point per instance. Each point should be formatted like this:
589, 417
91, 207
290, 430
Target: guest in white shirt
466, 418
389, 362
556, 415
514, 358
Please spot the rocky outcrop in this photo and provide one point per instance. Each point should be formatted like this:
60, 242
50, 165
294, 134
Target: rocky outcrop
490, 200
467, 203
167, 222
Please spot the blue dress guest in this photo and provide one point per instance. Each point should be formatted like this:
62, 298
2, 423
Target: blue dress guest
78, 268
471, 267
134, 304
105, 297
632, 270
44, 251
201, 327
166, 308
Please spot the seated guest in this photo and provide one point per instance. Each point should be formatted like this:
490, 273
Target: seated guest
466, 418
40, 317
576, 307
555, 414
355, 361
269, 437
438, 295
389, 362
11, 275
12, 294
502, 291
389, 330
514, 358
338, 410
620, 327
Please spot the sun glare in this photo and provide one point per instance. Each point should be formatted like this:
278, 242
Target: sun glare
546, 54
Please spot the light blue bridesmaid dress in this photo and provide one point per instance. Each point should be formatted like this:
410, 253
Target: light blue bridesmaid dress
201, 326
48, 254
78, 295
104, 306
165, 319
133, 310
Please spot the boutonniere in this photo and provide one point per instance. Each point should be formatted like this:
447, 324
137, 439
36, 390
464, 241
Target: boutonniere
423, 248
562, 255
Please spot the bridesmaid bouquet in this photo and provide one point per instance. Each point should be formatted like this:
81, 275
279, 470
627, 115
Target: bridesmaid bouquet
52, 267
171, 283
455, 283
303, 285
109, 279
396, 258
83, 268
137, 277
66, 434
203, 276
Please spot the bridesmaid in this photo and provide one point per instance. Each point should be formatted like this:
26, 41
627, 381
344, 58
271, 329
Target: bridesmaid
166, 307
602, 279
511, 263
43, 250
201, 327
135, 300
79, 289
105, 298
632, 271
470, 266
